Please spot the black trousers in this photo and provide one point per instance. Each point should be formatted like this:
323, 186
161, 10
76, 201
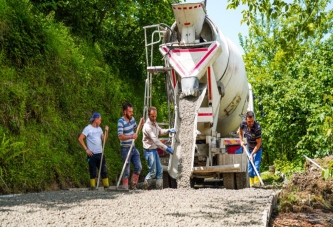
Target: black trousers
94, 163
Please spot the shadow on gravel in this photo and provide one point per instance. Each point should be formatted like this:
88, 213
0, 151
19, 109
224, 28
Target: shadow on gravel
61, 199
230, 209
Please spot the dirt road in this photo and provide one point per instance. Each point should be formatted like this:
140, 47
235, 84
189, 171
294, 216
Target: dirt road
167, 207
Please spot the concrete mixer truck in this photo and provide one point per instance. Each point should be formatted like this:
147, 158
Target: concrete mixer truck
207, 93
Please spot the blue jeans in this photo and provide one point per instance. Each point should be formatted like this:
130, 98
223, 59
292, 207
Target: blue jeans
134, 158
154, 164
256, 161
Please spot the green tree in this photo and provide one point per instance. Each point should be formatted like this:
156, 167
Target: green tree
59, 62
288, 61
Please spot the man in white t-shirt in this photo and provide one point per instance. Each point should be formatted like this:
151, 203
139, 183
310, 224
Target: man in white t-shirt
94, 136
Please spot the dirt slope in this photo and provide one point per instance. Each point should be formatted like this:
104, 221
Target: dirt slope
307, 200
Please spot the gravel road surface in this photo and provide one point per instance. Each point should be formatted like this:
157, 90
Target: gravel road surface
167, 207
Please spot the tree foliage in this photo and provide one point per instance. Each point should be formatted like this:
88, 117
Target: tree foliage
60, 61
288, 57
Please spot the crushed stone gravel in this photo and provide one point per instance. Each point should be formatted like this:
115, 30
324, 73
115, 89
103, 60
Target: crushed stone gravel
167, 207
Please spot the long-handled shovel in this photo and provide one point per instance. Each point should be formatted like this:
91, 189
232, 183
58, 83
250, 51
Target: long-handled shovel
255, 169
100, 164
128, 154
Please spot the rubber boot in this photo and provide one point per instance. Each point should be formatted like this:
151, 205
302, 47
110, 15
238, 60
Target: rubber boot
134, 180
105, 183
251, 181
92, 184
159, 184
256, 182
125, 184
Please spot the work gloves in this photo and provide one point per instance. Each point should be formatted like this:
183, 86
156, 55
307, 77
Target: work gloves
169, 150
172, 130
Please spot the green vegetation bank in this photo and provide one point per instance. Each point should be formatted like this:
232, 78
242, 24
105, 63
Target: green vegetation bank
59, 62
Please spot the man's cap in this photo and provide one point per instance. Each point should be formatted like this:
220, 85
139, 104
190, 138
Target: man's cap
94, 116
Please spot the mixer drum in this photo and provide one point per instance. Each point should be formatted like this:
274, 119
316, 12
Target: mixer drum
228, 67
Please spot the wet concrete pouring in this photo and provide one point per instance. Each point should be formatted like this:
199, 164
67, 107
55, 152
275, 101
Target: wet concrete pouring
188, 108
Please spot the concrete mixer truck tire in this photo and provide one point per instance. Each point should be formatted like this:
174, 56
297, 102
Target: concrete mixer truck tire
235, 180
242, 180
172, 182
168, 182
229, 181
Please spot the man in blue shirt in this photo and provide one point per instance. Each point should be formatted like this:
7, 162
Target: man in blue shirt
94, 137
252, 132
126, 134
